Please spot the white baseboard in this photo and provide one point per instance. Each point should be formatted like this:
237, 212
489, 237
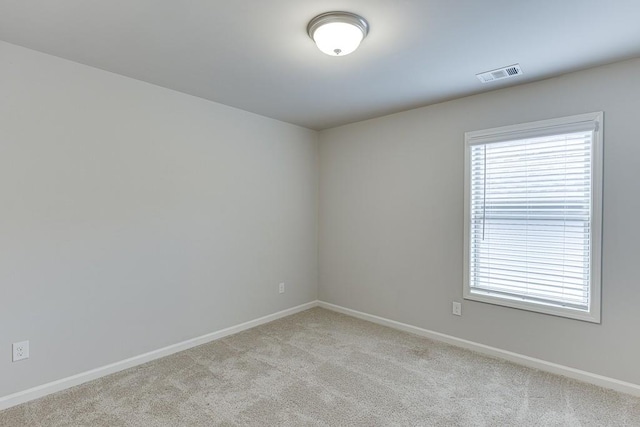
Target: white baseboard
64, 383
74, 380
531, 362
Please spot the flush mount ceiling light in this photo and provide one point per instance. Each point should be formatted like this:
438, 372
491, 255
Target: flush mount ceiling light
338, 33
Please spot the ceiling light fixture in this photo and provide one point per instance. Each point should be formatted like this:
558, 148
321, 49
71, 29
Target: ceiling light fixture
338, 33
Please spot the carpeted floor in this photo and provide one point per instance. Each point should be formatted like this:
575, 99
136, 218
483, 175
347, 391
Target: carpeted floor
320, 368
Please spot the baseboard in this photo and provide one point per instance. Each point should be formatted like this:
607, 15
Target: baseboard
531, 362
64, 383
74, 380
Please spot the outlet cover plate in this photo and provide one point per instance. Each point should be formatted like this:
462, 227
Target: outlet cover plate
20, 350
457, 308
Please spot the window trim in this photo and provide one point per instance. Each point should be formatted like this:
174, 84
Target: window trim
532, 129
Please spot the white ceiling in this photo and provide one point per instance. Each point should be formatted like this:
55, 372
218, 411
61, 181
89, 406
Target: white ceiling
256, 55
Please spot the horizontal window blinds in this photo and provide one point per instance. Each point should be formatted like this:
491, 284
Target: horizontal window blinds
530, 218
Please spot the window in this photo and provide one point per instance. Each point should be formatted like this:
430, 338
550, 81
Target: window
533, 204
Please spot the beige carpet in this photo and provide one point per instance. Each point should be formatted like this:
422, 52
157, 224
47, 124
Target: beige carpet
320, 368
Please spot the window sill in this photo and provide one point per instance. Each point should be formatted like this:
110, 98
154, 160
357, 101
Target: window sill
570, 313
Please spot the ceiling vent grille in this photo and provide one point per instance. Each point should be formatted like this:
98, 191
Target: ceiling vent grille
500, 73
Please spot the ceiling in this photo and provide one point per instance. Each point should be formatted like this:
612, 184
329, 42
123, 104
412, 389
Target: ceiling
256, 55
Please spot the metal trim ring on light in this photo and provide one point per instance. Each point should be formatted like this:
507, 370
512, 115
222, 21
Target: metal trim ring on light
342, 17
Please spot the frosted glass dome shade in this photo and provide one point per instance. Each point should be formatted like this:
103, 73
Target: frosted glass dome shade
338, 38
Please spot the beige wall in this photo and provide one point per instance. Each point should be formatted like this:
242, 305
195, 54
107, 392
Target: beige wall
391, 207
135, 217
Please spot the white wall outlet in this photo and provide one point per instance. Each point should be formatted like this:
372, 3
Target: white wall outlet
20, 350
457, 308
281, 288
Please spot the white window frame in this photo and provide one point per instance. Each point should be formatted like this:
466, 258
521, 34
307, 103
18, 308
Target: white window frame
533, 129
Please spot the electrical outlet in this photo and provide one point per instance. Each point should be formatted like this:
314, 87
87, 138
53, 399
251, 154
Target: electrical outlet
20, 350
457, 308
281, 288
